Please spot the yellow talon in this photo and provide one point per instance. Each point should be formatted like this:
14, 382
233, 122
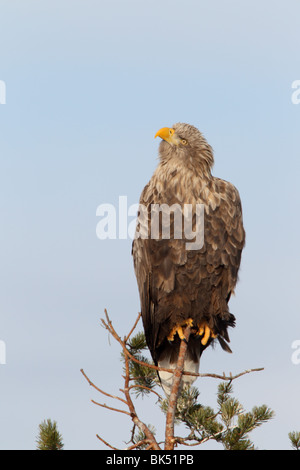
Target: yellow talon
203, 330
172, 334
189, 322
179, 330
206, 336
206, 332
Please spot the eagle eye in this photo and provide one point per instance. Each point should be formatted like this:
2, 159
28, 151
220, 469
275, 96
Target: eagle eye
184, 142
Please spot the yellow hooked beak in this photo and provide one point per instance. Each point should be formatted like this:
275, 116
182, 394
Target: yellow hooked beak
168, 134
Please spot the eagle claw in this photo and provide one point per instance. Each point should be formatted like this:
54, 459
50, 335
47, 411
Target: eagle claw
206, 332
179, 329
203, 330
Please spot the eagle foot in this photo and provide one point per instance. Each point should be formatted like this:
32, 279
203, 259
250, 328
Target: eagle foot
206, 332
179, 329
202, 330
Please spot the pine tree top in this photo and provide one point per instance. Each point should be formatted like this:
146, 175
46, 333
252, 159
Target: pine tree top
49, 438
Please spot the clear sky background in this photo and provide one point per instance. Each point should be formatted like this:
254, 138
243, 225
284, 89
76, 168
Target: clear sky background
88, 84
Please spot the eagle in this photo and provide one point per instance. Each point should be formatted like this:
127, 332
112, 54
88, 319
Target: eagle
182, 282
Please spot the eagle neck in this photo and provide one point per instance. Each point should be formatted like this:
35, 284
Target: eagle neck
174, 170
181, 183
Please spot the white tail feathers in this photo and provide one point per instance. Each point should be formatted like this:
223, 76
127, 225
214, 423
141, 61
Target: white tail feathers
166, 378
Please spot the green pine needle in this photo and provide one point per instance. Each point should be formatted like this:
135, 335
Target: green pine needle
49, 438
295, 440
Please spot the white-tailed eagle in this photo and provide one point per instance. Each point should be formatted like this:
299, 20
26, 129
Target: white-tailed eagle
180, 283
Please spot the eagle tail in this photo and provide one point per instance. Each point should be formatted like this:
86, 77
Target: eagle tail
168, 360
223, 336
224, 345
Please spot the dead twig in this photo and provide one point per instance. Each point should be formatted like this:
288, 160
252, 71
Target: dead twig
128, 401
99, 389
142, 427
103, 405
106, 443
133, 328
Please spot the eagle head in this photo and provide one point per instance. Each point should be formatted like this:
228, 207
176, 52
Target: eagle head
186, 142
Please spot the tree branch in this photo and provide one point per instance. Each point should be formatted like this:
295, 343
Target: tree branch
145, 388
131, 407
133, 328
177, 376
106, 443
128, 401
103, 405
99, 389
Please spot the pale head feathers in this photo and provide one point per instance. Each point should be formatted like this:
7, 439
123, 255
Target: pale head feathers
195, 153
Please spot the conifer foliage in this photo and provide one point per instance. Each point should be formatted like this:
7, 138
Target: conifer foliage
229, 424
49, 438
295, 440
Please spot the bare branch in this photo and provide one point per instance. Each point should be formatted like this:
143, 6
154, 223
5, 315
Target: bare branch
133, 328
128, 401
103, 405
106, 443
99, 389
177, 376
199, 441
138, 444
131, 407
145, 388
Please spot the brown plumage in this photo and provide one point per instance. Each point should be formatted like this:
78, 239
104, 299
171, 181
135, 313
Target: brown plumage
178, 284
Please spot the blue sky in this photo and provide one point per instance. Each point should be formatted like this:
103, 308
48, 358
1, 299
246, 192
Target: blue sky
88, 84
